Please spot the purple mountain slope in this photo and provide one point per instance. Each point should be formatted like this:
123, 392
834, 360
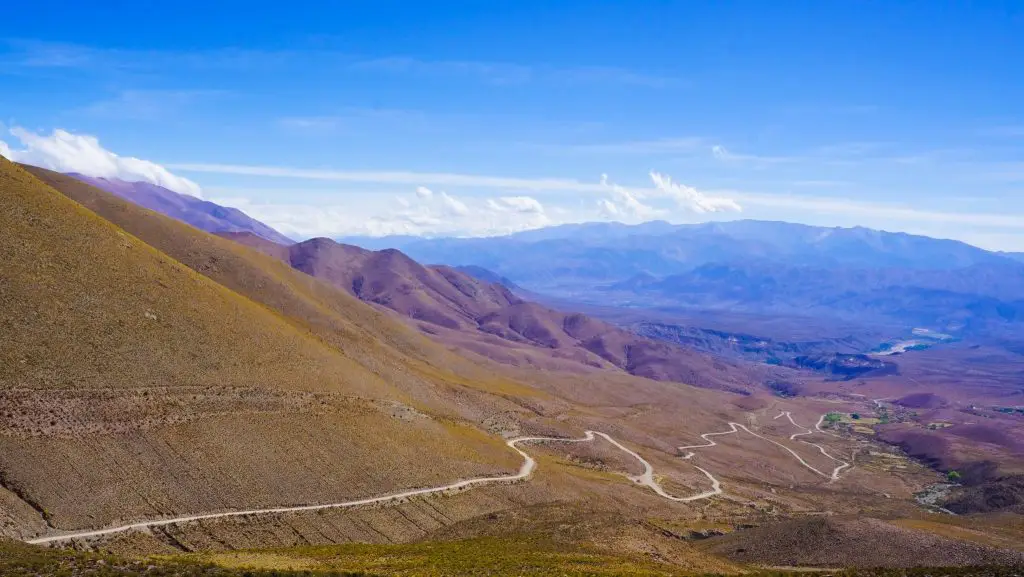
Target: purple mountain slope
199, 213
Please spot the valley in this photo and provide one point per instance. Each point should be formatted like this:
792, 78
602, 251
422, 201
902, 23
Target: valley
496, 289
255, 396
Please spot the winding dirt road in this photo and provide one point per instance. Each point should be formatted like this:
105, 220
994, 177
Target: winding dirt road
529, 465
737, 427
527, 468
842, 464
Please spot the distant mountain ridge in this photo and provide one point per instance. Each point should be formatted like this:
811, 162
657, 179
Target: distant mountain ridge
202, 214
754, 266
661, 248
486, 318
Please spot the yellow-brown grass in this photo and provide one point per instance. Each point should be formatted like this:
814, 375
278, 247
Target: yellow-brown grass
88, 309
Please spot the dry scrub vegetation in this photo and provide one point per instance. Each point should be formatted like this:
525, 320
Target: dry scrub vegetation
150, 369
134, 386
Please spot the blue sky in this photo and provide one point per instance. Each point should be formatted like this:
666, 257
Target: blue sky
475, 118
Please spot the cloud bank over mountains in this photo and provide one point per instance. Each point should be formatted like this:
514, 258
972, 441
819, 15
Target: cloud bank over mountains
470, 206
63, 151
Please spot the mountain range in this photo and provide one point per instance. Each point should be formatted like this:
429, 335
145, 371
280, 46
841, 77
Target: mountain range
147, 362
753, 266
485, 318
171, 392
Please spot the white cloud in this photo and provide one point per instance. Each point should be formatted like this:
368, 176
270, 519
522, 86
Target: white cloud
63, 151
720, 152
525, 204
368, 213
453, 205
723, 154
625, 202
424, 192
629, 200
878, 211
608, 209
610, 202
663, 146
396, 177
690, 198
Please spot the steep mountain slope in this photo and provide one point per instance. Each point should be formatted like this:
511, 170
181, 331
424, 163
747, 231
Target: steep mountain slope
333, 315
202, 214
488, 319
134, 386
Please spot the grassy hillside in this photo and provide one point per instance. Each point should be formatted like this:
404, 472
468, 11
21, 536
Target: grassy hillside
132, 385
86, 305
459, 310
423, 370
489, 557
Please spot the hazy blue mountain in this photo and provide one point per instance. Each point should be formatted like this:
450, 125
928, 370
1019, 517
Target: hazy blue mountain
594, 231
1017, 256
753, 266
970, 298
485, 275
611, 252
397, 242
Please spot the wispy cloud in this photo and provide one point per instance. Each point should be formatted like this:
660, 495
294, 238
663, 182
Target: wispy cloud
422, 212
42, 54
624, 203
883, 211
689, 198
723, 154
1006, 130
310, 123
1004, 172
524, 204
494, 72
821, 183
396, 177
501, 73
147, 104
629, 200
661, 146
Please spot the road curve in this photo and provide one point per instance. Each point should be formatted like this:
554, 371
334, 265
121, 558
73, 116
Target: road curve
842, 464
525, 470
737, 427
647, 477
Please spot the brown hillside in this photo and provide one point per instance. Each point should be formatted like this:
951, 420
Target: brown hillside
489, 320
76, 283
132, 385
847, 542
377, 341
